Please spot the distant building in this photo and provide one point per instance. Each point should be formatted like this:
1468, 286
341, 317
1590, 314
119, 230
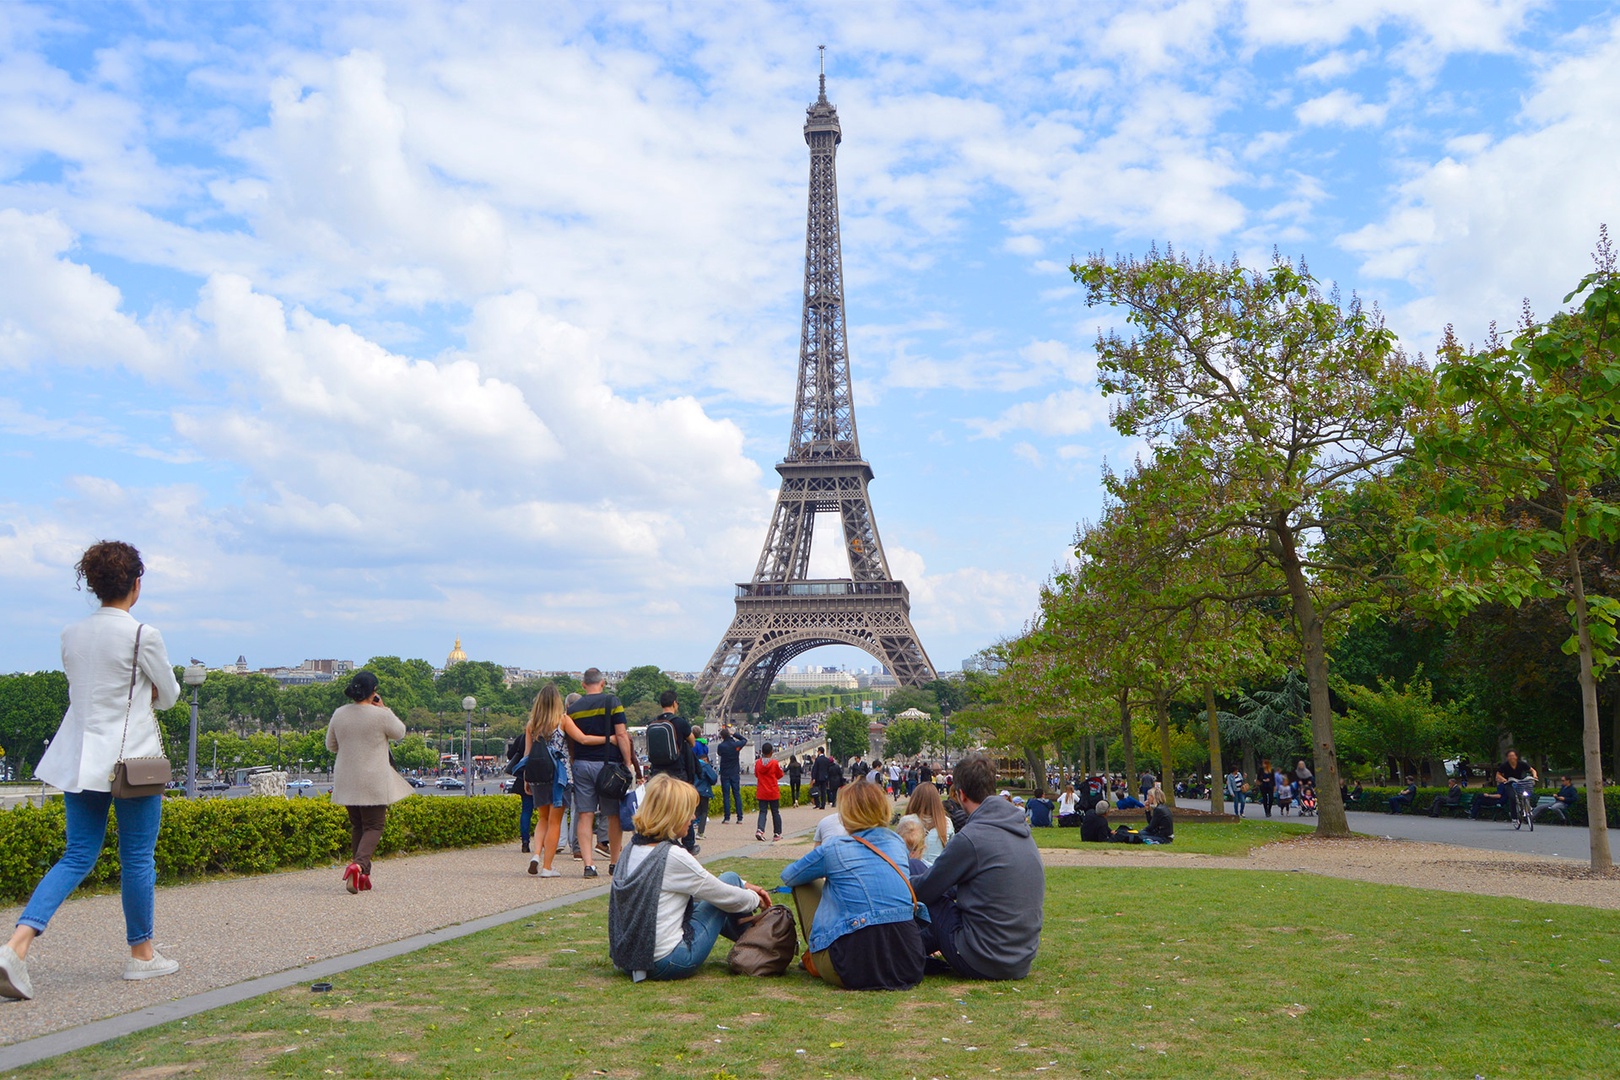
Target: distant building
914, 714
815, 680
238, 668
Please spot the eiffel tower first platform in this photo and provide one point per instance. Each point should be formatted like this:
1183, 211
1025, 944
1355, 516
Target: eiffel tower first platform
782, 612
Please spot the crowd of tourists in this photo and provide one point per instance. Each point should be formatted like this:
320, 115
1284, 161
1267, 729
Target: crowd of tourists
953, 884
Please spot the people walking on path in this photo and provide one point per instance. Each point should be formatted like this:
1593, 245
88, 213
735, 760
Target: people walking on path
768, 792
546, 773
515, 751
678, 759
1237, 789
1268, 786
363, 779
795, 771
665, 911
118, 673
818, 778
598, 716
986, 892
728, 750
706, 779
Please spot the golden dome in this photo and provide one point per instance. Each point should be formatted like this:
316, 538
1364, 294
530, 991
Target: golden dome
456, 655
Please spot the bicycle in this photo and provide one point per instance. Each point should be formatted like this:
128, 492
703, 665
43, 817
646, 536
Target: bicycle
1524, 804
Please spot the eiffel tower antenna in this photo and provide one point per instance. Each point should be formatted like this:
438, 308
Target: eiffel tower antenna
783, 612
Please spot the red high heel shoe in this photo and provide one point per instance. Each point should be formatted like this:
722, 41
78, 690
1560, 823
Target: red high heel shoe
352, 877
365, 882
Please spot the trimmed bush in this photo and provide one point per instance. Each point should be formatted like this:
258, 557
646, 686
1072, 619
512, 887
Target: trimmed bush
750, 800
250, 836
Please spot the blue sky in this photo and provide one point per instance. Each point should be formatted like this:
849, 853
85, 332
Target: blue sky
377, 325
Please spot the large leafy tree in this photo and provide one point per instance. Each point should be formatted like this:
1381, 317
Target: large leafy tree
1268, 402
1528, 467
847, 731
31, 709
1400, 722
643, 683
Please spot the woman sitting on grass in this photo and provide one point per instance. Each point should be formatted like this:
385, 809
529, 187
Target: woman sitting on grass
1159, 825
854, 894
926, 805
665, 911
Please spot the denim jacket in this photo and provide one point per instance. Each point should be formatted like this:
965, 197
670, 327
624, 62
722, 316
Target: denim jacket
861, 890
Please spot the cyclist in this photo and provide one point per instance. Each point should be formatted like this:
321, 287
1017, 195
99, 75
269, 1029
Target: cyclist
1507, 773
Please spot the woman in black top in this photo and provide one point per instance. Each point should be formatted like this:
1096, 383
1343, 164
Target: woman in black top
795, 771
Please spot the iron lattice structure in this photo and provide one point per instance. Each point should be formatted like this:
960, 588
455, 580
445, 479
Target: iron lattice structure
783, 612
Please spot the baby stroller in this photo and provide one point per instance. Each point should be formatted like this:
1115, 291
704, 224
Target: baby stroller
1307, 801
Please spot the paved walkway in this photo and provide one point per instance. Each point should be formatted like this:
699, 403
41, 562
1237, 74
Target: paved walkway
1549, 839
228, 931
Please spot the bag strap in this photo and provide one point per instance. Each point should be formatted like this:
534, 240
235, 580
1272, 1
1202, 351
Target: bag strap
905, 877
134, 671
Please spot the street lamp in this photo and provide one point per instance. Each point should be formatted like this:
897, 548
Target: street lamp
468, 703
195, 675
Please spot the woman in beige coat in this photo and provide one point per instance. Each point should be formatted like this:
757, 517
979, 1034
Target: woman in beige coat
362, 777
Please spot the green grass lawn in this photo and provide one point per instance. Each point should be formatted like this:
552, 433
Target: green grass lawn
1143, 973
1192, 837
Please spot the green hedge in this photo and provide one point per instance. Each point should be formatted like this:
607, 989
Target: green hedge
1377, 799
250, 835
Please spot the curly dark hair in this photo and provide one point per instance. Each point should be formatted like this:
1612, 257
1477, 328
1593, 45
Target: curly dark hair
111, 568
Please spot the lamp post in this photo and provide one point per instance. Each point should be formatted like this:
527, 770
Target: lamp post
195, 675
468, 703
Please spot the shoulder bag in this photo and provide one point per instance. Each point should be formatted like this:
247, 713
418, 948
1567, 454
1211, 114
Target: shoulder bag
905, 877
767, 946
136, 778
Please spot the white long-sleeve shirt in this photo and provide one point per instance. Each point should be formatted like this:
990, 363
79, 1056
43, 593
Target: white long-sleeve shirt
96, 655
685, 877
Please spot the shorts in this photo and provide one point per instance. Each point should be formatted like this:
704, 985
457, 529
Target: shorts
587, 800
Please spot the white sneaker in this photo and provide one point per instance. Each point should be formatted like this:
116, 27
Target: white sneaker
14, 981
551, 873
154, 968
534, 865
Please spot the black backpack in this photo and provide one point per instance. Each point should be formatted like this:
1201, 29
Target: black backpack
540, 770
662, 750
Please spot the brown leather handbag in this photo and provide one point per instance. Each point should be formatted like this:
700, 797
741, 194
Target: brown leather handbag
136, 778
767, 946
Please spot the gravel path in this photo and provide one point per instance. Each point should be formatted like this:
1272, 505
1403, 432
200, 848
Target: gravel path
227, 931
1413, 863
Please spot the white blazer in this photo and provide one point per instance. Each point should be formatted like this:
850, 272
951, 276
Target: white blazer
96, 655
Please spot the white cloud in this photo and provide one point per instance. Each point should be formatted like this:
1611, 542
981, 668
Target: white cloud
1475, 233
51, 306
1340, 108
1066, 412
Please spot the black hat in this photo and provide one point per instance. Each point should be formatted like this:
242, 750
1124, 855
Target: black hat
362, 685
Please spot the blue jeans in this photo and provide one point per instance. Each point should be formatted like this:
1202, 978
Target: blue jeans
939, 935
526, 815
708, 924
730, 791
138, 821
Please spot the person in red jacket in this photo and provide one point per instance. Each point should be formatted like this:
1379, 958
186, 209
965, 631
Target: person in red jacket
768, 791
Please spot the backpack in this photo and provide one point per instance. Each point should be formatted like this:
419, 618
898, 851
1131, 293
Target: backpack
540, 769
662, 750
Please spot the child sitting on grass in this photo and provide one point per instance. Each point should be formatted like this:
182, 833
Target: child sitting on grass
915, 834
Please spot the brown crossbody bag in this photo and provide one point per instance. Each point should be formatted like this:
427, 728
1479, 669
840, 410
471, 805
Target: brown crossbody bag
136, 778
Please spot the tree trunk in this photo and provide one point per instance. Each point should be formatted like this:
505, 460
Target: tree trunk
1167, 767
1129, 740
1035, 763
1329, 805
1217, 785
1091, 753
1597, 815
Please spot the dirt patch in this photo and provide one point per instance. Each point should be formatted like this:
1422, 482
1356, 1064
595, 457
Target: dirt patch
237, 1036
156, 1072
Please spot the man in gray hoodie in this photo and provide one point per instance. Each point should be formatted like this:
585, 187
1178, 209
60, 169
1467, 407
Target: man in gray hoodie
986, 892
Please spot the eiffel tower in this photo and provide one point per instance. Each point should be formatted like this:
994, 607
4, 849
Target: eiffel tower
783, 612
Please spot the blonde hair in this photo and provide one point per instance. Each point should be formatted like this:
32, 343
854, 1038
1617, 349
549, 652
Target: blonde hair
666, 808
863, 805
546, 714
912, 832
926, 804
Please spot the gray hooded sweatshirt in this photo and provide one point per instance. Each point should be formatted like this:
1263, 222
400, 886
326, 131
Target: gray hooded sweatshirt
1000, 890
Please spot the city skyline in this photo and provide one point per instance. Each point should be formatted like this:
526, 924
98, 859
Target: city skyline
367, 324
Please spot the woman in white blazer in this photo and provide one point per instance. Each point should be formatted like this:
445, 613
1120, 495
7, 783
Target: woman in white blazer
99, 655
